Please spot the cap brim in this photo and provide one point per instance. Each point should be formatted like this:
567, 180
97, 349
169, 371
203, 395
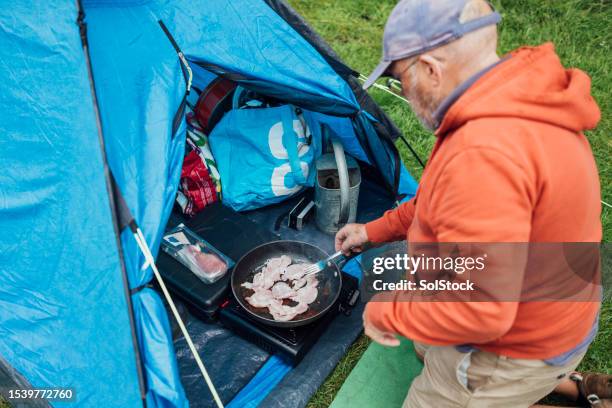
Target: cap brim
379, 71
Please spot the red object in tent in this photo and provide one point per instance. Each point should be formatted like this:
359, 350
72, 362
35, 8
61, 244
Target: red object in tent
214, 101
196, 184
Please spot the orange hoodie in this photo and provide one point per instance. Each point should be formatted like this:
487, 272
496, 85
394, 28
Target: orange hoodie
510, 164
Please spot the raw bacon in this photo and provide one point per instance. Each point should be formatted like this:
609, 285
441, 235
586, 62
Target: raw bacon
307, 294
282, 290
261, 298
295, 271
281, 280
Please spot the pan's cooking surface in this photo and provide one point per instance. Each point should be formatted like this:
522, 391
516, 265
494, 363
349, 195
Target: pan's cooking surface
300, 252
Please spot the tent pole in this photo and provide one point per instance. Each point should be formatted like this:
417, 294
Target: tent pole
139, 363
150, 262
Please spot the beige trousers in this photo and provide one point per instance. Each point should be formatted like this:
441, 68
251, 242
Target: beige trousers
480, 379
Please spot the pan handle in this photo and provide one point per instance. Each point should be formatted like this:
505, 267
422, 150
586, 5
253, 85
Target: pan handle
336, 258
339, 257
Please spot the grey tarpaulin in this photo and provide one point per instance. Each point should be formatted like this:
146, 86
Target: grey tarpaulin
10, 379
232, 361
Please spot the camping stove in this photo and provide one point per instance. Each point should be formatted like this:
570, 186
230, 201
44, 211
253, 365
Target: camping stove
292, 343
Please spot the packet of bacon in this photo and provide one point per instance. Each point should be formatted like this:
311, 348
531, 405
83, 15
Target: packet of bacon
197, 255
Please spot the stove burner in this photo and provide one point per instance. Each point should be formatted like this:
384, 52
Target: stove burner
294, 342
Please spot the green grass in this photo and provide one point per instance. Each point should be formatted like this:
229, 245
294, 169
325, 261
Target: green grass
326, 394
580, 30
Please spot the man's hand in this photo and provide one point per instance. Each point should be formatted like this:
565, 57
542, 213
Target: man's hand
380, 337
351, 238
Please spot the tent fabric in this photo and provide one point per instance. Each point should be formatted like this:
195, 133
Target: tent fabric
407, 184
62, 295
300, 25
139, 88
384, 156
263, 53
344, 130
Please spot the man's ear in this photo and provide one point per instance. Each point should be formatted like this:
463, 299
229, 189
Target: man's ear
431, 70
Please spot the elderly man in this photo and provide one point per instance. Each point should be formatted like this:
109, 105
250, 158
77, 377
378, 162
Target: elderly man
510, 164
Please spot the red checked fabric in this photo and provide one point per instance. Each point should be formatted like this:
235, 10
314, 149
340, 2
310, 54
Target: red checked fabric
196, 184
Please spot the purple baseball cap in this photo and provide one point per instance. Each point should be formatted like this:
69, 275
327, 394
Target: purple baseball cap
417, 26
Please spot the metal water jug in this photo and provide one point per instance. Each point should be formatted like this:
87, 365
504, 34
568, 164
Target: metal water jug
336, 189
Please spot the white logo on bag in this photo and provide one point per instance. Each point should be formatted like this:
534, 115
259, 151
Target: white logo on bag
279, 174
279, 186
275, 140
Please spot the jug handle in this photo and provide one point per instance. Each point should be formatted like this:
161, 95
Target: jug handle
344, 181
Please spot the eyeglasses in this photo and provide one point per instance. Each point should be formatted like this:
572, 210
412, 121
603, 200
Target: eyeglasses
394, 84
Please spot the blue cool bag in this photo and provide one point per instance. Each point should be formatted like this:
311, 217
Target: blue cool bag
265, 155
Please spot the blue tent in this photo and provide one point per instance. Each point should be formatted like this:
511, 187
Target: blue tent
75, 308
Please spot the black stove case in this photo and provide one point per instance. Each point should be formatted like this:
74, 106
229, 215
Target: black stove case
292, 343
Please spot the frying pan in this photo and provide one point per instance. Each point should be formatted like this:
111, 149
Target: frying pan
330, 280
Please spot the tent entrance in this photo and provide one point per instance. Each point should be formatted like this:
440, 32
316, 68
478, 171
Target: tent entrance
237, 365
374, 197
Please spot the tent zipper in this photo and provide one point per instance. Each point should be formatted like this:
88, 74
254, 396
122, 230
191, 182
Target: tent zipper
187, 73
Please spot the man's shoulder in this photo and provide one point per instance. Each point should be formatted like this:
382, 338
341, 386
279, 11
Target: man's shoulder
512, 136
493, 131
514, 139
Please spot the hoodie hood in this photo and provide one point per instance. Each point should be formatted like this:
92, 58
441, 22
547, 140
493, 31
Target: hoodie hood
531, 84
